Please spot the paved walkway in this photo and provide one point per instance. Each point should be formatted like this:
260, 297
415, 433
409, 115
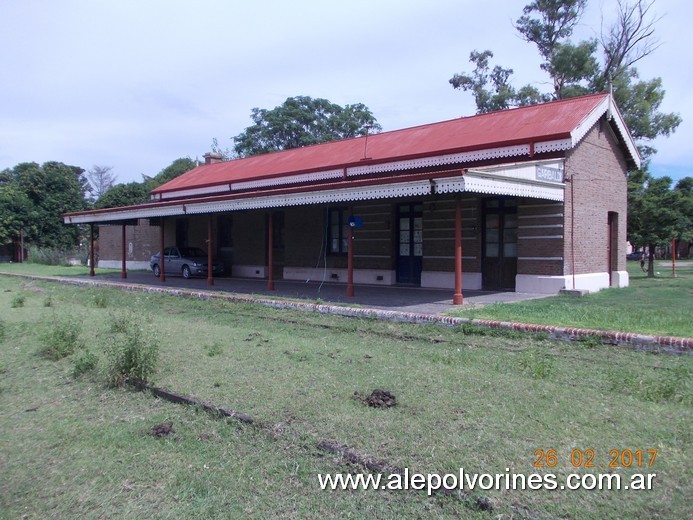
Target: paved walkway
396, 298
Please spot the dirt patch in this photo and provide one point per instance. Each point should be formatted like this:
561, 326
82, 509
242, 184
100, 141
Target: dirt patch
162, 430
378, 399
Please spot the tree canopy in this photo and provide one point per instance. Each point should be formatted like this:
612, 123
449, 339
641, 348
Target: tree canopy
101, 179
138, 192
33, 198
584, 67
301, 121
657, 213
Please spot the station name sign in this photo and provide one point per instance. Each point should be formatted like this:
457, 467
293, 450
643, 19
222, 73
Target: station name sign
546, 173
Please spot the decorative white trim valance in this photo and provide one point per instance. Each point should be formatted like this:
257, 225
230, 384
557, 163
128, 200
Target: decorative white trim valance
476, 181
441, 160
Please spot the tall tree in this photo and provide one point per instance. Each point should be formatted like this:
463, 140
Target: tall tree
16, 214
302, 121
138, 192
657, 213
123, 195
101, 179
576, 68
47, 191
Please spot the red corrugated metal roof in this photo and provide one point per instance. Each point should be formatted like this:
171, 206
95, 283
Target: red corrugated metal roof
547, 121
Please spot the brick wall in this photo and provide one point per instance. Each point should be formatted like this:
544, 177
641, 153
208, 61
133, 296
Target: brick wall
540, 237
141, 242
597, 170
439, 234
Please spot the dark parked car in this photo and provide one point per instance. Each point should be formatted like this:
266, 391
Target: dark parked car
635, 255
185, 261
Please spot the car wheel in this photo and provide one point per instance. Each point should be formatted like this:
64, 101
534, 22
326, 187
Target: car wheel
186, 272
157, 270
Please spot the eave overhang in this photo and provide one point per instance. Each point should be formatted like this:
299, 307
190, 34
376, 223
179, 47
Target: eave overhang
516, 179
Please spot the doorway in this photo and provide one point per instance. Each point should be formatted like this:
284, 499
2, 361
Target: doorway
409, 243
499, 244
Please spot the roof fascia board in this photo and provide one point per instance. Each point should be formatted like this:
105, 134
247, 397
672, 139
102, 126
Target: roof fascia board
608, 107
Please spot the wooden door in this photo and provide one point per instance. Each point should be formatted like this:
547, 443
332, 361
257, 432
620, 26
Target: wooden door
499, 237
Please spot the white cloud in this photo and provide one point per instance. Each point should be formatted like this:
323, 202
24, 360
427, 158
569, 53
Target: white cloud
135, 85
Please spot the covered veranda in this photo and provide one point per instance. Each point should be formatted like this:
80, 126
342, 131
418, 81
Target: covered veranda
396, 298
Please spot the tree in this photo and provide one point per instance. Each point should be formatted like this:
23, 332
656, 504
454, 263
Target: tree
101, 179
302, 121
173, 170
657, 214
16, 214
501, 95
41, 195
575, 68
123, 195
138, 192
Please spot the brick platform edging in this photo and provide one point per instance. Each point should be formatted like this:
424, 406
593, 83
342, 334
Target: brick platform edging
667, 344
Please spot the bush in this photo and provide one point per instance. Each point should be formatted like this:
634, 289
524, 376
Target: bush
536, 362
667, 385
214, 349
50, 256
101, 299
85, 362
61, 339
132, 351
18, 300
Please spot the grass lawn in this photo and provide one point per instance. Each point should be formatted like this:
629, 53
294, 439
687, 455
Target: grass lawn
71, 446
662, 306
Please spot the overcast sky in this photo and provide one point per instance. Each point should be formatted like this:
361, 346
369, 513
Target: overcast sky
137, 84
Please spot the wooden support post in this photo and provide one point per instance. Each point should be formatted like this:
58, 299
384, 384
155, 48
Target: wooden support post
123, 270
270, 254
457, 296
162, 259
210, 274
350, 260
91, 250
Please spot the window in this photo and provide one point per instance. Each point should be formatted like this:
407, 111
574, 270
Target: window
338, 231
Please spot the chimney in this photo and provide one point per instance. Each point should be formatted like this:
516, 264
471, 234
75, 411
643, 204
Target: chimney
212, 158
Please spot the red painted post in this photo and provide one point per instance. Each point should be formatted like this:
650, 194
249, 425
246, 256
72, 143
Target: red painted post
270, 255
162, 260
123, 270
457, 298
91, 250
350, 261
210, 274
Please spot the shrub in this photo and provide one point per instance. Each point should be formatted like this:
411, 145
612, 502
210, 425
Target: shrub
101, 299
536, 362
62, 338
671, 384
132, 351
591, 341
214, 349
85, 362
48, 301
18, 300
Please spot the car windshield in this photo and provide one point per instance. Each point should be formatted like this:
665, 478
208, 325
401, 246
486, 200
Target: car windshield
190, 252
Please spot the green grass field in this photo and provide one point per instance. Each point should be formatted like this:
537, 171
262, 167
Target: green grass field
76, 447
662, 305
